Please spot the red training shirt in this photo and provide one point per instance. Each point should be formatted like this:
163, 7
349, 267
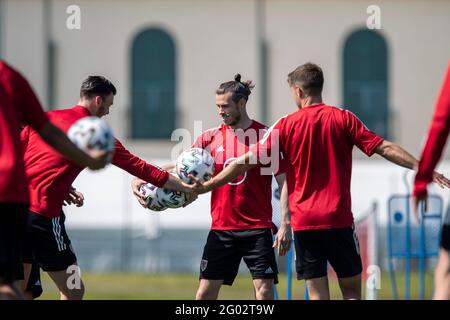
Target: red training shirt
437, 137
317, 141
245, 203
51, 175
18, 105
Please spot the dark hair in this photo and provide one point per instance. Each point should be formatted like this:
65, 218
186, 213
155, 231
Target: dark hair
96, 86
309, 77
238, 88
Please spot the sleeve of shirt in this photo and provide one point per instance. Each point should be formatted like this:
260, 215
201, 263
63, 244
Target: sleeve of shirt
204, 140
199, 142
268, 145
437, 137
30, 108
362, 137
24, 137
138, 167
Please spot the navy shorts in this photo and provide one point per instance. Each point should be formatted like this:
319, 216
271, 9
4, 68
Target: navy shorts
224, 250
13, 221
316, 248
47, 243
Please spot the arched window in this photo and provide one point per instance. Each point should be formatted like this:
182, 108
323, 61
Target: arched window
366, 79
153, 90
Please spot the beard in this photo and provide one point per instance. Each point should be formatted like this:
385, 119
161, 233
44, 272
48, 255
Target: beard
232, 120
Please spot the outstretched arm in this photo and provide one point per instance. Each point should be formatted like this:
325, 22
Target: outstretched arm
231, 172
396, 154
59, 141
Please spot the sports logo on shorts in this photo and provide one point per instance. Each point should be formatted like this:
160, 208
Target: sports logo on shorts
203, 265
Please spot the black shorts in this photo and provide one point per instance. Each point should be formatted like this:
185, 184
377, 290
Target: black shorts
47, 243
315, 248
445, 233
224, 250
13, 221
34, 285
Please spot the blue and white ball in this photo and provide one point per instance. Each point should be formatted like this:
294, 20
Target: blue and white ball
197, 162
149, 191
169, 198
92, 133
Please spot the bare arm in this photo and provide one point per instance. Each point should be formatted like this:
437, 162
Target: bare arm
396, 154
284, 235
59, 141
401, 157
168, 167
231, 172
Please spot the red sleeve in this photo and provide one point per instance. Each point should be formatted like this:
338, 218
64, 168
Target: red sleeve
204, 140
362, 137
138, 167
30, 108
437, 137
24, 137
268, 150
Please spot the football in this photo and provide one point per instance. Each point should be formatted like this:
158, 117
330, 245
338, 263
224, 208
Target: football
169, 198
92, 133
197, 162
149, 192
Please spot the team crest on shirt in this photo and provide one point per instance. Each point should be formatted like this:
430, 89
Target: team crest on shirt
203, 264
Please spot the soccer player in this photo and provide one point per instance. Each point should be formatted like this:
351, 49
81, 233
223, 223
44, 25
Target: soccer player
437, 137
241, 210
19, 105
318, 140
50, 178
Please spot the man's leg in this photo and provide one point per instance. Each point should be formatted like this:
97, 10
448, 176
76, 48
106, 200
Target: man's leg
442, 276
318, 288
311, 262
26, 275
208, 289
53, 252
351, 287
13, 217
345, 259
255, 246
219, 264
442, 273
263, 289
69, 283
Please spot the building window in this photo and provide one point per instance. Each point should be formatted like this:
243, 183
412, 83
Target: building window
366, 79
153, 85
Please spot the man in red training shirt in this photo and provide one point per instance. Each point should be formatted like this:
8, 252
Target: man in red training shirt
19, 105
51, 176
318, 140
437, 137
241, 211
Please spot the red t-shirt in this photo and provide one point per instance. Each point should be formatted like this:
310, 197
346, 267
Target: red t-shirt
18, 105
51, 175
318, 142
437, 137
246, 202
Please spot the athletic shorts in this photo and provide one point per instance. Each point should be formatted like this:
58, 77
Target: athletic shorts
47, 243
445, 233
13, 220
316, 248
34, 285
224, 250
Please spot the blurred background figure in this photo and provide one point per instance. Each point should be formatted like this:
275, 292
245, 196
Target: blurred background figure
437, 138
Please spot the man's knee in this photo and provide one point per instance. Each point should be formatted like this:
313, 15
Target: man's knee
264, 290
73, 293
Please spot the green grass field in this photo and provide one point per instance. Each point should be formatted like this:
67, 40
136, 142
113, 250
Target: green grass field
125, 286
